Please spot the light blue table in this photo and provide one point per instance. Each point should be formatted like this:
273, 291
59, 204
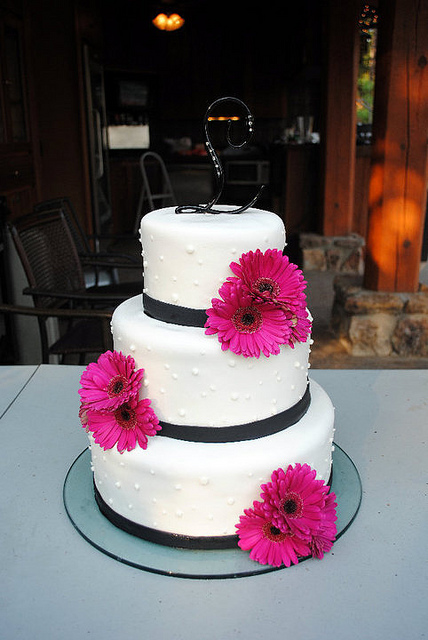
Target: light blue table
372, 586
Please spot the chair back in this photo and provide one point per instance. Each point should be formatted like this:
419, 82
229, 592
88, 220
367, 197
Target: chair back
65, 205
48, 254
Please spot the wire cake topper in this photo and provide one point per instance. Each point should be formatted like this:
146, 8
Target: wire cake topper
209, 208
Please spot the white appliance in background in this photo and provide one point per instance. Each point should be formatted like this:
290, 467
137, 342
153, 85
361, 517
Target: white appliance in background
129, 136
97, 140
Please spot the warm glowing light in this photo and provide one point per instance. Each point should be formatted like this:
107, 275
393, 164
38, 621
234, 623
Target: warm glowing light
168, 22
222, 118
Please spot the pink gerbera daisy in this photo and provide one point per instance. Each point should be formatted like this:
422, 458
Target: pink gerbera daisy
246, 326
267, 544
294, 499
110, 382
322, 540
270, 276
129, 424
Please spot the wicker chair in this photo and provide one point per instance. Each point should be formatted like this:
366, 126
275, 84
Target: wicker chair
56, 283
99, 267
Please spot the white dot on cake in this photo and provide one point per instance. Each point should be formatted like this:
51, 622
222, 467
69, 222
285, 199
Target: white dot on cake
195, 371
182, 413
136, 486
110, 501
174, 278
132, 347
234, 396
161, 258
166, 365
204, 481
177, 487
130, 506
231, 501
190, 249
196, 283
297, 364
213, 387
232, 363
174, 297
179, 513
162, 390
175, 376
146, 382
117, 484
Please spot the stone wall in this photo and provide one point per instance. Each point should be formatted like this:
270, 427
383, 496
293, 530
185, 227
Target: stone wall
379, 323
341, 254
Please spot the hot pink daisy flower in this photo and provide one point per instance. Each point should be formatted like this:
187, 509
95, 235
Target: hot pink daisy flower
272, 277
294, 499
244, 325
110, 382
322, 540
128, 425
267, 544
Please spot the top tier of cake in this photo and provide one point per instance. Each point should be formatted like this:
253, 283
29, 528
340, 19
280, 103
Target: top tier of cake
187, 255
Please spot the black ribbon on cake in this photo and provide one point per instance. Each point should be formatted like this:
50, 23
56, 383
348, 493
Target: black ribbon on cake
173, 314
238, 433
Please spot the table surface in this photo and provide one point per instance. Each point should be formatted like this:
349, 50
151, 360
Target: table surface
372, 585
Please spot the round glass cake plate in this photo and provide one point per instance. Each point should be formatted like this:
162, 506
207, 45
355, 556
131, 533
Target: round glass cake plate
86, 517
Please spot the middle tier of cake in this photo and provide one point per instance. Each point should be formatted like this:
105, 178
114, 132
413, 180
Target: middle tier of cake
191, 381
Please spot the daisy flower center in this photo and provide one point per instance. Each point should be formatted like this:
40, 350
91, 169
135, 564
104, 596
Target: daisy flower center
272, 533
247, 319
126, 417
267, 285
116, 385
292, 505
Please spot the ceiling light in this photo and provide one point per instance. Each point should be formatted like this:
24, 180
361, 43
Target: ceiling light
168, 22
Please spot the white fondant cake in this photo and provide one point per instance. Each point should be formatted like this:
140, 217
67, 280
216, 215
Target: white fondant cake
180, 485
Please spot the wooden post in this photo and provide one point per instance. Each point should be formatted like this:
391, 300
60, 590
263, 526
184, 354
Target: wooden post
339, 134
398, 178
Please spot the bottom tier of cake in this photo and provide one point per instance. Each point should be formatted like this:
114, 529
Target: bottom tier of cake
191, 494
